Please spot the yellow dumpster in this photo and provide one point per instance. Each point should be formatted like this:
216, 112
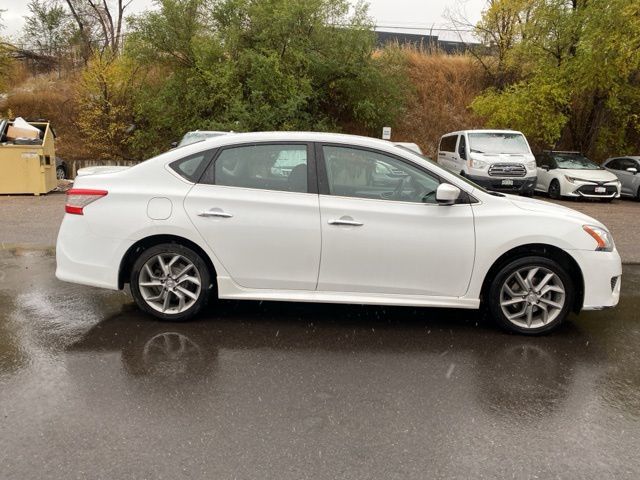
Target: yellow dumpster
27, 157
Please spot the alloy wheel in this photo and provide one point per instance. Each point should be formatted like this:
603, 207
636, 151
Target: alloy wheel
170, 283
532, 297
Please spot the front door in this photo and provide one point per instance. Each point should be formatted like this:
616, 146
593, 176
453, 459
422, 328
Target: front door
255, 210
390, 237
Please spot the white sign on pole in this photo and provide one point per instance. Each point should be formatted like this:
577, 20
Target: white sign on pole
386, 133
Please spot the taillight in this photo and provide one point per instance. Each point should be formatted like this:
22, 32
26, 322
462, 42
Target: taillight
78, 198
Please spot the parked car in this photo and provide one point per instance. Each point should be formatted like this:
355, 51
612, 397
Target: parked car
62, 171
571, 174
414, 147
217, 218
499, 160
626, 169
197, 136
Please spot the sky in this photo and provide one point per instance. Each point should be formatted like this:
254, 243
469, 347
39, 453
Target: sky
406, 13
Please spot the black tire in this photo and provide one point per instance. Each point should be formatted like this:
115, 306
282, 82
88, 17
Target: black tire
495, 291
167, 249
554, 190
61, 173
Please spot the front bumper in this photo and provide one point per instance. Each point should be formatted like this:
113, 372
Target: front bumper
523, 185
588, 190
602, 273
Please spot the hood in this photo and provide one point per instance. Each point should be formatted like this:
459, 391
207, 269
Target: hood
533, 205
96, 170
592, 175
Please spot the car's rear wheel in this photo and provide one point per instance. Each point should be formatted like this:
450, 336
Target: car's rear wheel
171, 282
531, 295
554, 190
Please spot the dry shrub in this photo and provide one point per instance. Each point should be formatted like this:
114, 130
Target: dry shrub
49, 98
444, 87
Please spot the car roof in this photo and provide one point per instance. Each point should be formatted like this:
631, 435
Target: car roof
488, 130
257, 137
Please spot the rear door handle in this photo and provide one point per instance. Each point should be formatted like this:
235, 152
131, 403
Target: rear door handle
215, 212
346, 221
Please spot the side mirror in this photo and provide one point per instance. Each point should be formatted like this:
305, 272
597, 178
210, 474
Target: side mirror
174, 144
447, 194
545, 167
632, 170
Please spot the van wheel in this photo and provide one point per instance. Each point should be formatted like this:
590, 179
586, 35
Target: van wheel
531, 295
554, 190
171, 282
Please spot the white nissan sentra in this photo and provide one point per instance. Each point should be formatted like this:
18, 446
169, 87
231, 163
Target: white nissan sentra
316, 217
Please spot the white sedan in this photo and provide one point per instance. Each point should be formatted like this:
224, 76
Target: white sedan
309, 217
570, 174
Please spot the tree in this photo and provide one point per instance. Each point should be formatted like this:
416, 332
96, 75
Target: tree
579, 77
6, 62
48, 28
106, 96
100, 22
261, 65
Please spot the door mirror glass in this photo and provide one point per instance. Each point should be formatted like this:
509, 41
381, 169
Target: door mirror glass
447, 194
545, 167
632, 170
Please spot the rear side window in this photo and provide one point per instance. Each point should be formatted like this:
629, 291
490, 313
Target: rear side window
278, 167
448, 144
191, 167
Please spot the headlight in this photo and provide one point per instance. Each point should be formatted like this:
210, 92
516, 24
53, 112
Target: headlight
531, 165
474, 163
601, 236
576, 179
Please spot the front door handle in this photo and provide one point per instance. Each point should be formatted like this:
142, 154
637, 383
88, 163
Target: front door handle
346, 221
215, 212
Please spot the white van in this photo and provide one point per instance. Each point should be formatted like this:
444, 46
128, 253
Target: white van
495, 159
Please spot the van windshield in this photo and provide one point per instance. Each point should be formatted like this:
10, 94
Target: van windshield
495, 142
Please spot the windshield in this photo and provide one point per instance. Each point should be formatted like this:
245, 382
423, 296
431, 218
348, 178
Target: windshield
575, 161
495, 142
194, 137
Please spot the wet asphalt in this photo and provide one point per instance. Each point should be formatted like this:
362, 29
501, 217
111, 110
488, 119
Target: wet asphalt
91, 388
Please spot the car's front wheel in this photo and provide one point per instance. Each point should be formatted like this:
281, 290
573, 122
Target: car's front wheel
171, 282
531, 295
61, 174
554, 189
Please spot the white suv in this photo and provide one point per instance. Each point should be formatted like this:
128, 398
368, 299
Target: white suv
494, 159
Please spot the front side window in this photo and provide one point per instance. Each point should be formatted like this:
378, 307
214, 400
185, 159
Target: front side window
265, 167
615, 164
353, 172
498, 142
462, 148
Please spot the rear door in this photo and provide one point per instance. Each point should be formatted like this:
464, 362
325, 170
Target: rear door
257, 208
389, 238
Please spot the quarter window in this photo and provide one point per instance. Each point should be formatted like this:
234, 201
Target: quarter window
353, 172
265, 167
190, 167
